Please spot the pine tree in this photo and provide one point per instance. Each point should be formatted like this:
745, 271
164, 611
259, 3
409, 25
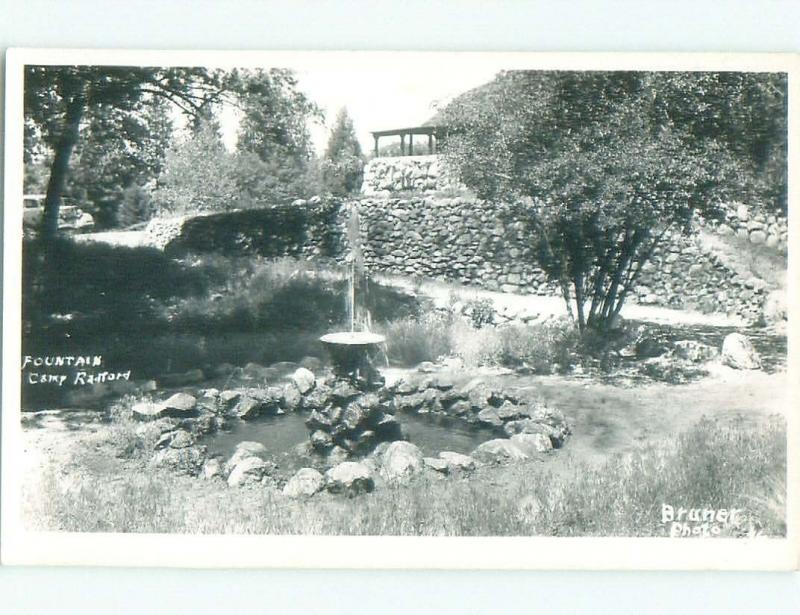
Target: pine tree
343, 168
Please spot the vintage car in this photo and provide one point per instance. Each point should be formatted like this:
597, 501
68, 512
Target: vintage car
70, 216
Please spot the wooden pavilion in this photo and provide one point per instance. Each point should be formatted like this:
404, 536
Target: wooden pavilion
431, 132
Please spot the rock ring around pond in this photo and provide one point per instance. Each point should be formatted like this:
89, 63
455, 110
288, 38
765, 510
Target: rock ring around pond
355, 441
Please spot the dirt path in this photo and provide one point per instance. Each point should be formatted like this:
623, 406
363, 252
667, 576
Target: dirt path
129, 239
536, 307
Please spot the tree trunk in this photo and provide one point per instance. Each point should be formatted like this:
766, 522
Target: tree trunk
579, 299
58, 171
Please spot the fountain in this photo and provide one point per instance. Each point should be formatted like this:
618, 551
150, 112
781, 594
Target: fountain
351, 351
354, 415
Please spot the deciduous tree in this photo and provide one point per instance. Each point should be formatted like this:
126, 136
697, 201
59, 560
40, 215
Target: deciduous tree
603, 166
58, 100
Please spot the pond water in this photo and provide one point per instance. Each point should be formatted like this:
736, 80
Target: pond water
432, 433
281, 434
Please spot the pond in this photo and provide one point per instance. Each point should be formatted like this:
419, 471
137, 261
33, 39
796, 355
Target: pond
281, 434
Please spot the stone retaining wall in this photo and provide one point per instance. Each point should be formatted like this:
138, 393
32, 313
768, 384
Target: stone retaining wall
305, 229
480, 244
686, 274
420, 174
470, 242
768, 229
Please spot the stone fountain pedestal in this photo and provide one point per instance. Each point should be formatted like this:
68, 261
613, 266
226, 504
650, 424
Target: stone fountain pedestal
351, 353
355, 416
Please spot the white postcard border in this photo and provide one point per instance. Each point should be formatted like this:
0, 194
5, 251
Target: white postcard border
18, 546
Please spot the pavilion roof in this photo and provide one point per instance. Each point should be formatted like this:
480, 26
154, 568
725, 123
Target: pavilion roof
414, 130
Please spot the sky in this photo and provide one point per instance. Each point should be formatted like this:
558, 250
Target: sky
394, 94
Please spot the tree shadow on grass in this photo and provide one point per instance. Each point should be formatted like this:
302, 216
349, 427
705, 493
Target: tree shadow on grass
85, 289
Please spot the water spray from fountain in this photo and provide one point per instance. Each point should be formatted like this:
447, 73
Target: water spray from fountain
350, 350
358, 316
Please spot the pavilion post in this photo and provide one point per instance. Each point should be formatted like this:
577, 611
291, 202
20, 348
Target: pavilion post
376, 145
411, 144
402, 145
430, 143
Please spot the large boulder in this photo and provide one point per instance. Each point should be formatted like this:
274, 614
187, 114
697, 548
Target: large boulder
694, 351
305, 483
499, 450
249, 471
401, 460
343, 392
403, 387
480, 395
229, 397
738, 352
489, 417
179, 405
349, 478
212, 468
187, 460
337, 455
457, 461
247, 449
529, 426
180, 438
291, 397
148, 411
532, 443
248, 408
436, 464
319, 419
321, 440
316, 399
509, 410
353, 416
304, 380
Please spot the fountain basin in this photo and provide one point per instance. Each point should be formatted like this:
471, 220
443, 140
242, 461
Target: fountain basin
352, 338
350, 352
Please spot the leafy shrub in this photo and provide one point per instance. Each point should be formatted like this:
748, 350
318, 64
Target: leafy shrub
480, 311
475, 347
135, 207
543, 348
410, 341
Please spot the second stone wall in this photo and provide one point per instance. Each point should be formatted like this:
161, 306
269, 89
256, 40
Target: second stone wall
390, 175
482, 244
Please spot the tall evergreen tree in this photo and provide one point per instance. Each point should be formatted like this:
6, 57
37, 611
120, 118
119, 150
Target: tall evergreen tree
343, 168
274, 145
